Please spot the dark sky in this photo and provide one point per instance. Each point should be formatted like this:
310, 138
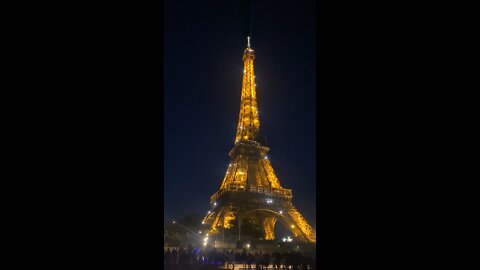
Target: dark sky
204, 42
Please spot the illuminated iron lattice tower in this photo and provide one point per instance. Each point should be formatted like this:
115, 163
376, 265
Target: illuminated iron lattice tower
250, 189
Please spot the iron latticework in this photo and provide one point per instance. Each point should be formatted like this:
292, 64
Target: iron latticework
250, 189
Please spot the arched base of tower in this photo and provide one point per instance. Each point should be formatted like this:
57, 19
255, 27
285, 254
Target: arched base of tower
263, 220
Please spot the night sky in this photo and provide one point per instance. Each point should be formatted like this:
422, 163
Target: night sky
204, 42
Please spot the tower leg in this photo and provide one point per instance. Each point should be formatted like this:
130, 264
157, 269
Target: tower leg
300, 227
268, 227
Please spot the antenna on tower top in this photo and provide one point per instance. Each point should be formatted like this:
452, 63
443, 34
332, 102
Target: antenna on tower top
248, 42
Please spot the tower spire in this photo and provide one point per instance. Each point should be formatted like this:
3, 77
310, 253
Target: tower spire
248, 121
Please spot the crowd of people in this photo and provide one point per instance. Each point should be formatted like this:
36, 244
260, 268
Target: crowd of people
250, 260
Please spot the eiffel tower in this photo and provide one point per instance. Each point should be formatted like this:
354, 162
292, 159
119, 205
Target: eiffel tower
250, 189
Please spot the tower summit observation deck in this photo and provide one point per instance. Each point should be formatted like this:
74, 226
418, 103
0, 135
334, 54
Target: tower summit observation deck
250, 189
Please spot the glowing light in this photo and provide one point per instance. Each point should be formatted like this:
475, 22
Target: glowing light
288, 239
174, 222
248, 245
293, 226
281, 212
204, 244
215, 203
200, 232
265, 157
209, 212
203, 222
